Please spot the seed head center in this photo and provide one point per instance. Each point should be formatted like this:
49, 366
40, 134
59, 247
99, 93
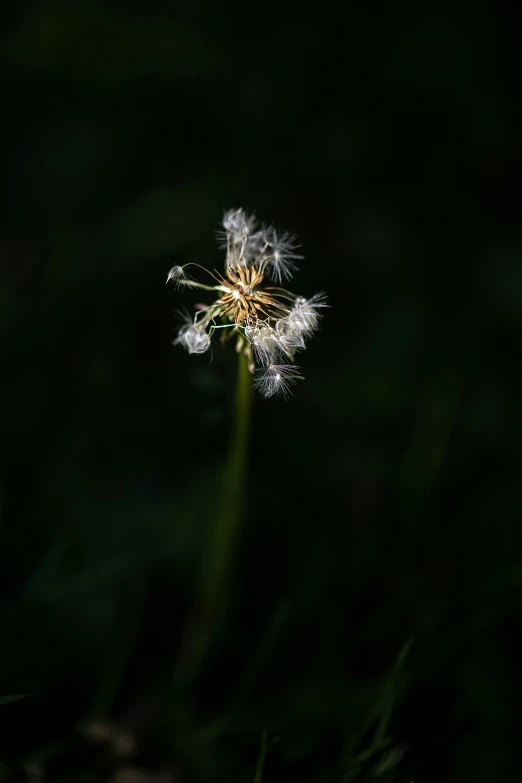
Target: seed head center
243, 290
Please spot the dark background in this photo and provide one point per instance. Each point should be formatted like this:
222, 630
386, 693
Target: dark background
383, 499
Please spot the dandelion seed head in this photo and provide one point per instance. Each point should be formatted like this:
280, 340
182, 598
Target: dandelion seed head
270, 324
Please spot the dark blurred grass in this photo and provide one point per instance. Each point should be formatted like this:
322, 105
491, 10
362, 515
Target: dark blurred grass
384, 498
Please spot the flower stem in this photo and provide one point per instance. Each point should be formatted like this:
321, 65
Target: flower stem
232, 500
219, 558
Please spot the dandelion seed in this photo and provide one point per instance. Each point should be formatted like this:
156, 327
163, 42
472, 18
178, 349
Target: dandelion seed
291, 337
268, 347
276, 379
280, 261
237, 223
305, 315
193, 338
178, 275
269, 323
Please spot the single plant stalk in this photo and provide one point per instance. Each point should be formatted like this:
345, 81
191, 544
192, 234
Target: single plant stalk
232, 500
258, 776
218, 566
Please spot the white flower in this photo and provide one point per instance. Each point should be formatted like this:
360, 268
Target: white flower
193, 338
276, 379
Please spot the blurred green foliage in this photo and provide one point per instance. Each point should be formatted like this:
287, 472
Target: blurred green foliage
383, 500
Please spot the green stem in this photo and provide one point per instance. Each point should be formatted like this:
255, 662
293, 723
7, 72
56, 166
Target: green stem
232, 500
214, 584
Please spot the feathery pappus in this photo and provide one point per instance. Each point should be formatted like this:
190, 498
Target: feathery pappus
269, 323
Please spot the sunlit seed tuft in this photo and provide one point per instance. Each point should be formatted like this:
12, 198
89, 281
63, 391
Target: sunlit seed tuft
178, 276
276, 379
193, 338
